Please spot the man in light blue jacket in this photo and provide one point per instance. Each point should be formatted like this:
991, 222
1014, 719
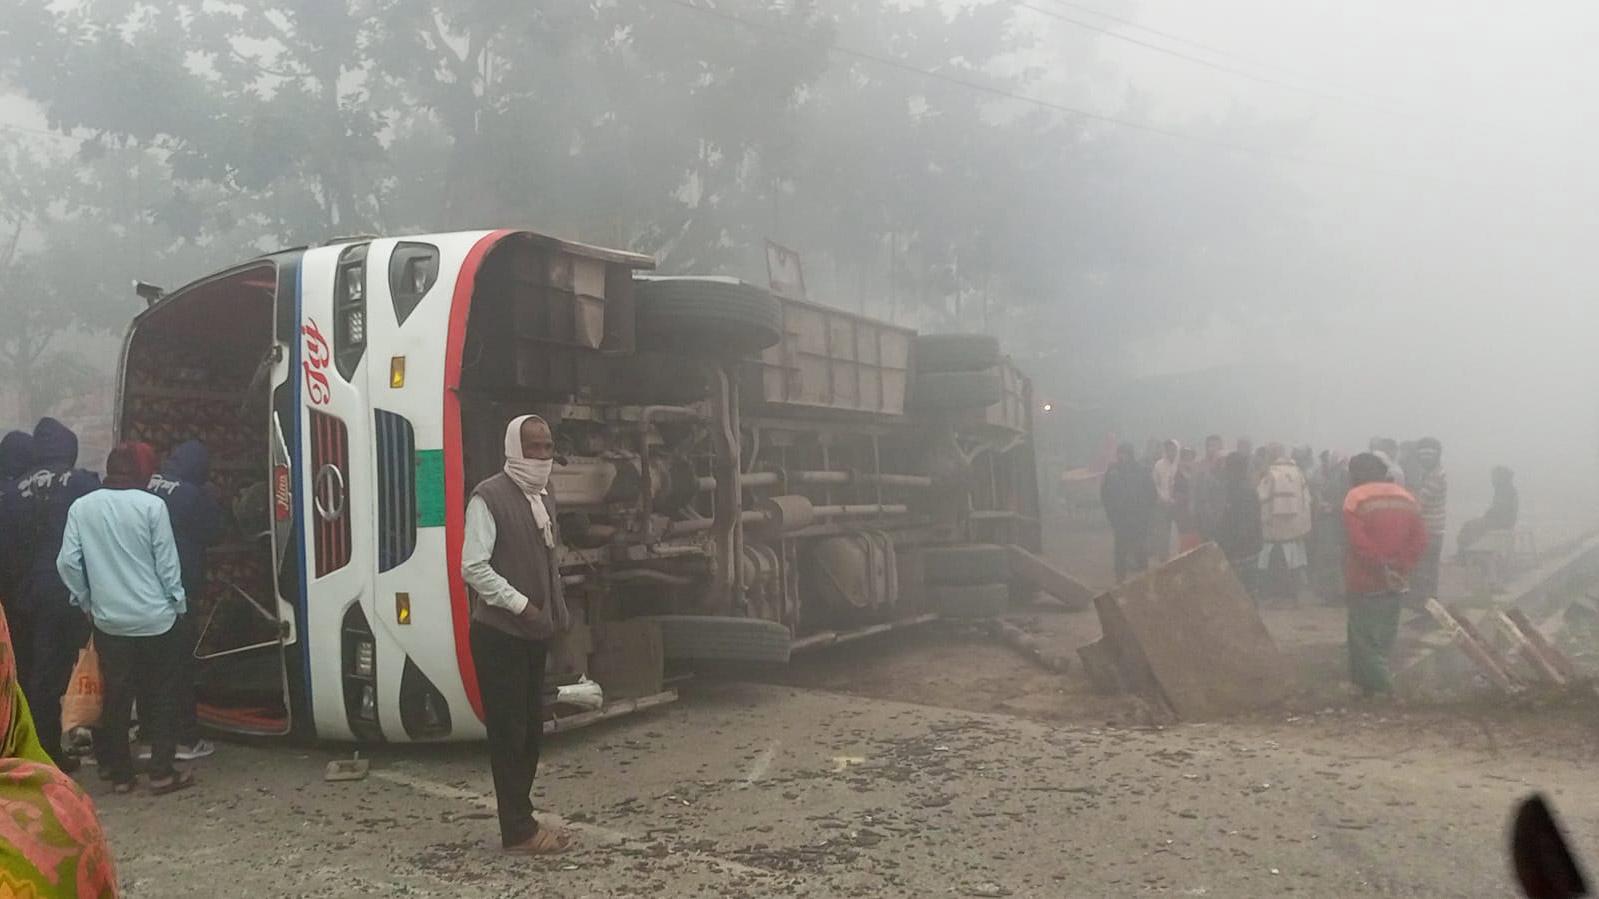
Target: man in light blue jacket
120, 563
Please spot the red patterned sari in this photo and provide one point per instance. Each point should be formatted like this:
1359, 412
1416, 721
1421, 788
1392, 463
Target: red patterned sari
51, 844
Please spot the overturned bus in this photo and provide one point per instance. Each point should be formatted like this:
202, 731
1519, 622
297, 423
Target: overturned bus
739, 476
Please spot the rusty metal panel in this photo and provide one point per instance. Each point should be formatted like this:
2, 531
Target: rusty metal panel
832, 359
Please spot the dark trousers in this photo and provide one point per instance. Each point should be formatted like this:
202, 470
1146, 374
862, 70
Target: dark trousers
1131, 551
59, 634
510, 675
188, 673
20, 622
146, 669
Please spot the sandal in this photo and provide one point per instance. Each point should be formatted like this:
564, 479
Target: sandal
124, 788
546, 841
179, 781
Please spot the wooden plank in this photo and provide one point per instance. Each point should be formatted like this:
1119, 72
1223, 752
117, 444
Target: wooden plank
1188, 636
1046, 577
1539, 664
1548, 652
1476, 648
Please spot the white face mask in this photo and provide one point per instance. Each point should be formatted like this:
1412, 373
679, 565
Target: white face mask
532, 475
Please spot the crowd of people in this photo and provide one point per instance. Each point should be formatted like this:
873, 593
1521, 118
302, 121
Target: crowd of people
1367, 530
116, 561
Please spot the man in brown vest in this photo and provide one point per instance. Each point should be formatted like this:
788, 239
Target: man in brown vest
509, 559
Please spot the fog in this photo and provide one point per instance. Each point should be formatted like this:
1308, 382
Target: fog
1385, 206
1454, 295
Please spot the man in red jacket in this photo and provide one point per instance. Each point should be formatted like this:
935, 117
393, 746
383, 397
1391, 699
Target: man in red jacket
1386, 539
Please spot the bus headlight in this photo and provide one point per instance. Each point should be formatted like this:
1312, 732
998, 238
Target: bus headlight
369, 703
355, 325
355, 283
365, 659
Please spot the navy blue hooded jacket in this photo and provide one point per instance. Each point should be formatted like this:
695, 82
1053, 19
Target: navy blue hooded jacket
16, 460
45, 494
196, 518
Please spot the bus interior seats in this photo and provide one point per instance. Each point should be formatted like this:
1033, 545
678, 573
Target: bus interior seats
191, 373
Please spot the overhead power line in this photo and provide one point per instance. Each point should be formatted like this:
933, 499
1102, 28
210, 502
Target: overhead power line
1217, 66
1189, 42
1040, 102
1375, 102
39, 132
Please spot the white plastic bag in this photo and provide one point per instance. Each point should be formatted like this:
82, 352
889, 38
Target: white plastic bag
585, 694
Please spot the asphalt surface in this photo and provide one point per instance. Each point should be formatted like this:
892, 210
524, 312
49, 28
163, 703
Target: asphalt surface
745, 789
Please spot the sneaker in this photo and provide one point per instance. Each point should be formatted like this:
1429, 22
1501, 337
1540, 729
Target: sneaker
199, 749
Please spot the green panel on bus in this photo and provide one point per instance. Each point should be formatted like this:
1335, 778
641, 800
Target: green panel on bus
430, 488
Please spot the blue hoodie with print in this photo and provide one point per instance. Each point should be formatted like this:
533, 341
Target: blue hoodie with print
16, 541
196, 517
45, 494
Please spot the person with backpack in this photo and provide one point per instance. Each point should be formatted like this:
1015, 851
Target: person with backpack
1285, 522
58, 631
197, 526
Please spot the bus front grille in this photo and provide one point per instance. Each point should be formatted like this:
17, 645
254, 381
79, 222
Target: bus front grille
330, 494
396, 444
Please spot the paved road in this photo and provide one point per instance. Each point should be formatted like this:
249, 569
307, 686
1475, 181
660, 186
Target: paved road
753, 790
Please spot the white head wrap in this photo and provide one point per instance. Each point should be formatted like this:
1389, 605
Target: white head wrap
532, 475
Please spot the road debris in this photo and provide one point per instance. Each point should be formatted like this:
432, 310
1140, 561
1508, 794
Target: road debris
1030, 647
1475, 646
353, 768
1188, 638
1035, 571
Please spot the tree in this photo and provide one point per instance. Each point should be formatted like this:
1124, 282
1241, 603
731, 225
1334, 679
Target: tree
694, 131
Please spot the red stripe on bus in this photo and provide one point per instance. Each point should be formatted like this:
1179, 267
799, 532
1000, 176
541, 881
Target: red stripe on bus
454, 467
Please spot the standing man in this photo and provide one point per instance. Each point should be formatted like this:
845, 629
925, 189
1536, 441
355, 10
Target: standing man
1164, 474
1284, 499
120, 562
510, 560
1127, 494
1386, 539
16, 539
1238, 535
1210, 490
57, 631
1387, 449
1431, 488
197, 526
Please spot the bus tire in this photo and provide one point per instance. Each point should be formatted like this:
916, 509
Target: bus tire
955, 390
976, 601
956, 352
718, 638
966, 566
706, 316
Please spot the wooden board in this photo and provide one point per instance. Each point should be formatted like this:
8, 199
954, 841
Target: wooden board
1039, 573
1187, 635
